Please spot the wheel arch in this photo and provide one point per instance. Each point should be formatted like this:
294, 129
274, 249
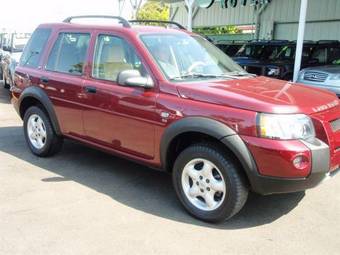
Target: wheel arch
36, 96
212, 130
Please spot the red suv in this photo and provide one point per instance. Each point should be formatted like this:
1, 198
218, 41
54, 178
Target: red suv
170, 99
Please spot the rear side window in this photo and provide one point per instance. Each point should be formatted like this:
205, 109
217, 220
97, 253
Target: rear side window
35, 47
68, 54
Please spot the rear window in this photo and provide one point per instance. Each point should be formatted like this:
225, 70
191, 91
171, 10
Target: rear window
68, 54
35, 47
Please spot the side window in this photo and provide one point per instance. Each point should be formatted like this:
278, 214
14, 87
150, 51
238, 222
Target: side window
321, 55
334, 55
113, 55
35, 47
68, 54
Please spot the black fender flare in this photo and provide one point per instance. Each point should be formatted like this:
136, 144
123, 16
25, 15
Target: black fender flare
214, 129
40, 95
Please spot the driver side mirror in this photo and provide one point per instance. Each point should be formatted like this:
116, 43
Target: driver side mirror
133, 78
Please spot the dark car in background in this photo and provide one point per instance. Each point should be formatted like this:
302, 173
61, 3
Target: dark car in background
282, 65
258, 51
230, 47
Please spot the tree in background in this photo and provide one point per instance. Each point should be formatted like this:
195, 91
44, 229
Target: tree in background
153, 10
217, 30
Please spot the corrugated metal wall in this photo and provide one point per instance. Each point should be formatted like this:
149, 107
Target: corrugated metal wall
215, 15
278, 21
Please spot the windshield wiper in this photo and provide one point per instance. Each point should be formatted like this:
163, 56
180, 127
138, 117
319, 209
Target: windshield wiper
240, 73
195, 75
231, 75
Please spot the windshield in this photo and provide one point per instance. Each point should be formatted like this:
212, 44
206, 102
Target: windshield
181, 56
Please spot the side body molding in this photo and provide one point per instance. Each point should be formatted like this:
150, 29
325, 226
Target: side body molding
39, 95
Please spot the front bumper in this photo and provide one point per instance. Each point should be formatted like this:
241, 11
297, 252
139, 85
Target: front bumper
265, 184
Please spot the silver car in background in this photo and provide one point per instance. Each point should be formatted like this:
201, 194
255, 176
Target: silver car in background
325, 77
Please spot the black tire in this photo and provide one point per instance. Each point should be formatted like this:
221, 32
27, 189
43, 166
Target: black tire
53, 143
236, 190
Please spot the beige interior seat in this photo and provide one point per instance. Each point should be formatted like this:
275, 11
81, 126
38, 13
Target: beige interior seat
114, 62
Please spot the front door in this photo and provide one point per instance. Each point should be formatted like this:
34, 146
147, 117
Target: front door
116, 116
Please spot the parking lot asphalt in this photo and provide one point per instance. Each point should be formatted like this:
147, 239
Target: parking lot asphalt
84, 201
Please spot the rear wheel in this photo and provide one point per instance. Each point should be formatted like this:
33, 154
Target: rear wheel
208, 183
39, 133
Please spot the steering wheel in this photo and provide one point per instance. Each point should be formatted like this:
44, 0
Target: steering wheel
195, 65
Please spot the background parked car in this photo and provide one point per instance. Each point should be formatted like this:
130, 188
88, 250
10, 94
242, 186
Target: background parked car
10, 60
326, 77
256, 52
230, 47
1, 55
281, 65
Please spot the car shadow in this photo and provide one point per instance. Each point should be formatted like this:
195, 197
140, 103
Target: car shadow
137, 186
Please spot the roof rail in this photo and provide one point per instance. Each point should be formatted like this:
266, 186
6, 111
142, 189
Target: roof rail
121, 20
157, 21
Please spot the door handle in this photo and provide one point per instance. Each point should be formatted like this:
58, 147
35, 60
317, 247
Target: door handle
43, 79
90, 89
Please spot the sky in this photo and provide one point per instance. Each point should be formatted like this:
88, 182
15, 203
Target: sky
25, 15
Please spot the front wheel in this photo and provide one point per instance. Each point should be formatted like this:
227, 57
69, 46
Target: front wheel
208, 183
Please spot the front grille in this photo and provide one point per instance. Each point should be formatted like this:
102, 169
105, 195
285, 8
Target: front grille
335, 124
315, 76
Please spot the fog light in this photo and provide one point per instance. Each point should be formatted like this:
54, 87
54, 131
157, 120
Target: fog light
300, 162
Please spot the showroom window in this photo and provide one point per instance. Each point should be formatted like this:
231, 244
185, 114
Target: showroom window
113, 55
68, 54
35, 47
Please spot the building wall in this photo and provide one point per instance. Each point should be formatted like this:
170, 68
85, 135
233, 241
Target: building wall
278, 21
215, 15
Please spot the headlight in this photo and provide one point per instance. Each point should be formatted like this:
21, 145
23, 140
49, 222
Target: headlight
273, 71
335, 77
285, 126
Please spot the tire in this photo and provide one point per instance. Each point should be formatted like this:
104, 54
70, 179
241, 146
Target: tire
45, 142
226, 185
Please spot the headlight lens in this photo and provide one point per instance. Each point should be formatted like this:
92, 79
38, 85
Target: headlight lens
335, 77
273, 71
285, 126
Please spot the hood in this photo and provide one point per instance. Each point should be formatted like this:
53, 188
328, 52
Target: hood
260, 94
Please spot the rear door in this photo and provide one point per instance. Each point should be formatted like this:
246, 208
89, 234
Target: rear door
116, 116
63, 78
29, 69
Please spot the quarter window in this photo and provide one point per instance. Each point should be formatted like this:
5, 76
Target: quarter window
113, 55
35, 47
68, 54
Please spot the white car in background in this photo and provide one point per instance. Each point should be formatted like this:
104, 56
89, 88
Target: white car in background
325, 77
10, 60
